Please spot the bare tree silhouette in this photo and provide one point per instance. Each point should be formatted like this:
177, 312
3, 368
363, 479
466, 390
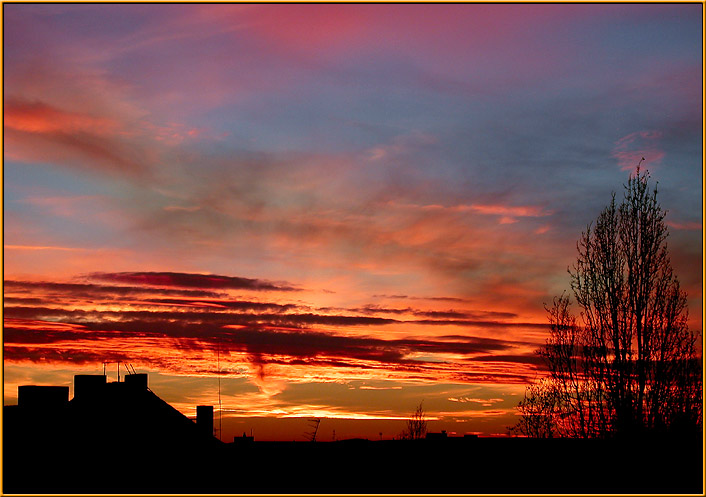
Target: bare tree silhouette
631, 365
416, 425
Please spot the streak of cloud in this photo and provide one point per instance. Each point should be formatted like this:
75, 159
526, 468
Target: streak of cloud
185, 280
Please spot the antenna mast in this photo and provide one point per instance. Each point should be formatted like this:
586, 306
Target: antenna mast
314, 424
220, 407
129, 368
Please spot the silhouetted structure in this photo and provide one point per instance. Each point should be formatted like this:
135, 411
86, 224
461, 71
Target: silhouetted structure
204, 419
437, 436
45, 430
245, 440
33, 396
88, 385
53, 445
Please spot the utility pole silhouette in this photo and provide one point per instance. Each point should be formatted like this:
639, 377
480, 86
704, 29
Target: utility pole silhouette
220, 406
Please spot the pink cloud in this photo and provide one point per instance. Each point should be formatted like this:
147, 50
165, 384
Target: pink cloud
101, 140
36, 139
631, 149
507, 214
310, 26
441, 36
510, 211
543, 229
490, 209
687, 226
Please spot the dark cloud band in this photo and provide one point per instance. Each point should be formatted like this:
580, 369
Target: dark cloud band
191, 280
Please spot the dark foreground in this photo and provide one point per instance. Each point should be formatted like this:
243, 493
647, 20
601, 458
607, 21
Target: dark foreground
120, 437
443, 466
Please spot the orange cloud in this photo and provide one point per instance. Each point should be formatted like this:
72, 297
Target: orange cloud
271, 343
39, 117
84, 149
32, 248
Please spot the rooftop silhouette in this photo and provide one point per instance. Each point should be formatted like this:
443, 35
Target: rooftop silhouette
120, 437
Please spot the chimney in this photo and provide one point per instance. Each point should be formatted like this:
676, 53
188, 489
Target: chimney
204, 419
137, 381
88, 385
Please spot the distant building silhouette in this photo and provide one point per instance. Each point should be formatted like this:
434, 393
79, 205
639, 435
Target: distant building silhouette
437, 436
126, 412
244, 440
46, 429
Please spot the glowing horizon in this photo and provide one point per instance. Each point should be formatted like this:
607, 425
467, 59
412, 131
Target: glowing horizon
340, 210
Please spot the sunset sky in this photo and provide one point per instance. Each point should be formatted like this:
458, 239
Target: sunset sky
345, 210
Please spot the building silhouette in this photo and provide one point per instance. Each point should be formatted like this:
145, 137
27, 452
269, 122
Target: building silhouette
127, 412
120, 437
88, 442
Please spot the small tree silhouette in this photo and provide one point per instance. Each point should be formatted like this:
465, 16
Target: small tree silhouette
417, 424
631, 365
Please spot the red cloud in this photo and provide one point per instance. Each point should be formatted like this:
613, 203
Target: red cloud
58, 322
191, 280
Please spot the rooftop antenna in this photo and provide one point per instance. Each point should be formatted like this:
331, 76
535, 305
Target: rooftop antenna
314, 424
128, 367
